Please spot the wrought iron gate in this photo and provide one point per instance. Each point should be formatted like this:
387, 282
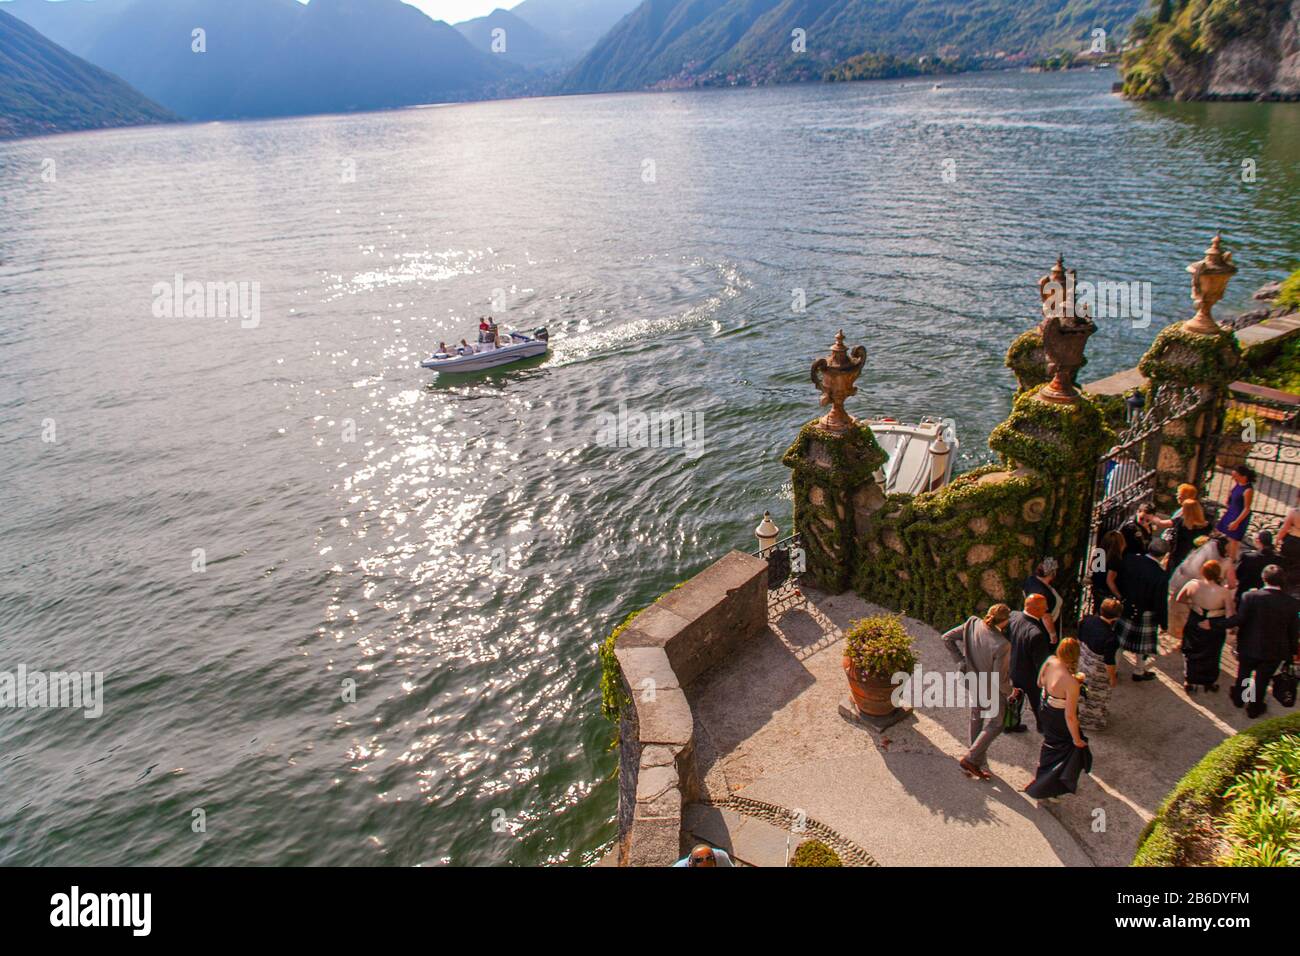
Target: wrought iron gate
1126, 475
1259, 428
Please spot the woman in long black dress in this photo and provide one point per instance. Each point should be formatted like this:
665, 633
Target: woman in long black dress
1211, 604
1065, 752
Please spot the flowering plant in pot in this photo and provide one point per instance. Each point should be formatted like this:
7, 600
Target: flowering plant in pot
875, 649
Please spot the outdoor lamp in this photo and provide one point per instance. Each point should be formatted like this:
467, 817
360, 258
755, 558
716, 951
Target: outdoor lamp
767, 532
1134, 403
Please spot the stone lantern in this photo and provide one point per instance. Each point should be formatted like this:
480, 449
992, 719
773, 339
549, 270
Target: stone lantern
1209, 281
834, 378
767, 532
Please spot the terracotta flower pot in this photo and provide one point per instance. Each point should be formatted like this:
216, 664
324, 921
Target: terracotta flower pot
871, 695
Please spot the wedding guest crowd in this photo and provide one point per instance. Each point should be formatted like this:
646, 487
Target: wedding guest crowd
1182, 575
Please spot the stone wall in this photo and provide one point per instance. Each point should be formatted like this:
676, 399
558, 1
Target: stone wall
660, 653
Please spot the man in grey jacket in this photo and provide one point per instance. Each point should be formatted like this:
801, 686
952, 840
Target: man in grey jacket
981, 647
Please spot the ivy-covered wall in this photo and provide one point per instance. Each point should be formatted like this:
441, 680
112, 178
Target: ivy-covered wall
835, 493
1184, 359
945, 554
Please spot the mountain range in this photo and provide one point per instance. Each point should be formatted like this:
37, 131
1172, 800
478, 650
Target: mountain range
45, 89
577, 24
271, 57
224, 59
686, 42
516, 40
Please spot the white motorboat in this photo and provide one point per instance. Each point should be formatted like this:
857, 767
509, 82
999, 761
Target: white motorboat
921, 456
485, 355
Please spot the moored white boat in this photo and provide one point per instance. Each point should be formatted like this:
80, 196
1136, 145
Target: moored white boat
921, 456
486, 355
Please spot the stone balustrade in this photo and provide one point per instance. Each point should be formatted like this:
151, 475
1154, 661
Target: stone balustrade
660, 653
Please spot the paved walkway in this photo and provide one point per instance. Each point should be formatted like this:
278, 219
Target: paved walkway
769, 734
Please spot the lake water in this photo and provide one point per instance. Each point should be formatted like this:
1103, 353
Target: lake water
388, 656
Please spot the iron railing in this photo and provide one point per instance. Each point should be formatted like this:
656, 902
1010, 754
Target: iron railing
785, 562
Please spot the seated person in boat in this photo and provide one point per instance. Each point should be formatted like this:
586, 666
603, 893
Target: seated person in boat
443, 349
465, 348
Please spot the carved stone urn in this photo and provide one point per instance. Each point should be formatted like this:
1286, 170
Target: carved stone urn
834, 378
1065, 329
1210, 277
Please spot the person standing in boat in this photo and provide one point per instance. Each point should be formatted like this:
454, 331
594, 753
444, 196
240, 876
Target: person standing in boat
1237, 518
486, 331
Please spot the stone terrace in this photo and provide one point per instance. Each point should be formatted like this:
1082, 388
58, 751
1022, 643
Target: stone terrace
769, 736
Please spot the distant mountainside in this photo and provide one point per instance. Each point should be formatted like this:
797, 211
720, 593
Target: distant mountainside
45, 89
1216, 49
275, 57
577, 24
524, 44
684, 42
69, 23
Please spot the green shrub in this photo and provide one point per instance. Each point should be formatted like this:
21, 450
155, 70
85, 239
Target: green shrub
1261, 816
1288, 297
613, 698
879, 646
1179, 833
815, 853
1283, 370
1236, 419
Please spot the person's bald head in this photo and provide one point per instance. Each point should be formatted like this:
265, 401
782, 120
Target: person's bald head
1036, 605
702, 855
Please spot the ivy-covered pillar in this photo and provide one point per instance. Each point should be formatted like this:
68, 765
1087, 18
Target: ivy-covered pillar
1054, 430
1196, 355
835, 463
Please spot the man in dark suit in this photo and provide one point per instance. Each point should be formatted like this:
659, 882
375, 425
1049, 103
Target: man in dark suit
1145, 585
1030, 646
1251, 564
1267, 632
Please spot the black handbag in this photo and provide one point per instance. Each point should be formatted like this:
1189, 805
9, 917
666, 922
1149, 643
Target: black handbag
1284, 685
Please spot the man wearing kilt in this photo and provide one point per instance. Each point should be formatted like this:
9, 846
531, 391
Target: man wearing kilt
1145, 586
